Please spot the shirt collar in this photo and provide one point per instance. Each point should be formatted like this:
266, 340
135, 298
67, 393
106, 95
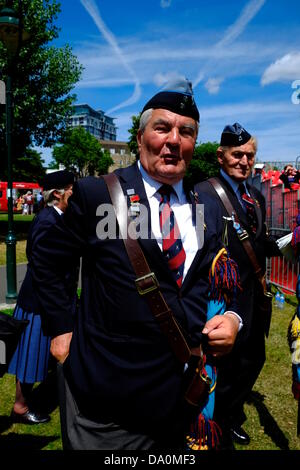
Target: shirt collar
58, 210
152, 186
234, 184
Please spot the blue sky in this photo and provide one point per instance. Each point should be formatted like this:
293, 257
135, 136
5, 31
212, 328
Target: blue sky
243, 58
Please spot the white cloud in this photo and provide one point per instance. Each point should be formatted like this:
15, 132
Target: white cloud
285, 69
213, 85
165, 3
233, 32
161, 79
158, 60
93, 11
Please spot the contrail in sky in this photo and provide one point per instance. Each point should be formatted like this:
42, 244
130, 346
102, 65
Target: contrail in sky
249, 12
93, 11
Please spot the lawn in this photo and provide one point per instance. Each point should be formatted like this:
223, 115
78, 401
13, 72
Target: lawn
21, 227
20, 252
271, 410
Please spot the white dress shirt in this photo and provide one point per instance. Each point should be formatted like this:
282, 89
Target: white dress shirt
182, 211
183, 214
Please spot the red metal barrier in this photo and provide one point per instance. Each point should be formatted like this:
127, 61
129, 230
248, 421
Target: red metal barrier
282, 208
283, 274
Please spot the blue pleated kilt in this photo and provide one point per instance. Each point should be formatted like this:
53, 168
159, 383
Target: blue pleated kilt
30, 360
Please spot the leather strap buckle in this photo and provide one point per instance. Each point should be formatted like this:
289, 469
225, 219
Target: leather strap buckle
243, 235
147, 283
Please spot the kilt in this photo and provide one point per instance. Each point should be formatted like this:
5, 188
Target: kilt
30, 361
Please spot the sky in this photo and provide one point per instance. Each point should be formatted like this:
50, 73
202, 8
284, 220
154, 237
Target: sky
242, 57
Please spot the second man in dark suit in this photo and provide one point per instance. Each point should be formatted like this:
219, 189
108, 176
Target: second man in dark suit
239, 370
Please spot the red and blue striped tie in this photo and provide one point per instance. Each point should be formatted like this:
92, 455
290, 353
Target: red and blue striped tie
171, 241
249, 207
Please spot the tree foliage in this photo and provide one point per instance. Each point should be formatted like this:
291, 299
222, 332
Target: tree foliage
204, 163
30, 167
42, 79
82, 152
132, 143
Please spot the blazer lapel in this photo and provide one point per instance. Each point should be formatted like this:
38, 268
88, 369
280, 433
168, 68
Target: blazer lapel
258, 214
235, 203
192, 198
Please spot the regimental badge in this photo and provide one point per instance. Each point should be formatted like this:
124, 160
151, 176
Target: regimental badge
134, 208
195, 197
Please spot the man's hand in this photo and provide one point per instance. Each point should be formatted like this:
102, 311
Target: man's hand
221, 331
60, 346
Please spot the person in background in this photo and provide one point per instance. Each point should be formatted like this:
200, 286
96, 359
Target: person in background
29, 201
122, 385
239, 370
289, 176
30, 361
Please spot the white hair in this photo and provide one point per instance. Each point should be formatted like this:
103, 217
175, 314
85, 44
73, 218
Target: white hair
49, 196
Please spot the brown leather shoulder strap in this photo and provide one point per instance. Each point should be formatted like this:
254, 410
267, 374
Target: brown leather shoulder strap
146, 282
244, 237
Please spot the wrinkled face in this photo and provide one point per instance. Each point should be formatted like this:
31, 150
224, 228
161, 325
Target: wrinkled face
63, 198
237, 162
167, 144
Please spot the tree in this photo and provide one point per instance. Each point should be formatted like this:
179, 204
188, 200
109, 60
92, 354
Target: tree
204, 163
42, 79
30, 167
132, 143
81, 151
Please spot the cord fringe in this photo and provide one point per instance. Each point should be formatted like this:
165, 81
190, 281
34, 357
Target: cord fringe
224, 277
205, 434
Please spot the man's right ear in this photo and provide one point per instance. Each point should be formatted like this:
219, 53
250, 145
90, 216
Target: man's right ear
220, 156
139, 139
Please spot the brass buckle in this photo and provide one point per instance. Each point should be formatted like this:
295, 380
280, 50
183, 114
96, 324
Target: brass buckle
151, 288
244, 235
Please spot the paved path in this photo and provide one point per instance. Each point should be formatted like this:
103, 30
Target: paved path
21, 271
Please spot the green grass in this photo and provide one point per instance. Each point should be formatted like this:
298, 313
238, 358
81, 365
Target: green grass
21, 226
271, 411
20, 252
17, 218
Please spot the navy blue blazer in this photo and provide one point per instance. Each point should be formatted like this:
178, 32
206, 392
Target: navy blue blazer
263, 246
120, 366
27, 298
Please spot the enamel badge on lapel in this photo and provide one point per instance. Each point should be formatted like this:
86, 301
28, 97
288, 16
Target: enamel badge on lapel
195, 197
134, 199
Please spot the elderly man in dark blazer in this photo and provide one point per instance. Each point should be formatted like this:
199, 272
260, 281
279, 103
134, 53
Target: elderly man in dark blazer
239, 370
123, 383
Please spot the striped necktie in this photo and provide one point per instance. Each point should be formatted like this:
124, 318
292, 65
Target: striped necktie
249, 207
172, 246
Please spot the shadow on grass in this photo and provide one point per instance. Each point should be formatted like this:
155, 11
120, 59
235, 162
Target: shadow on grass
269, 424
25, 442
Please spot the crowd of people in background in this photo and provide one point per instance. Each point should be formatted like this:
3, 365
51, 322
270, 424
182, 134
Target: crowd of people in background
28, 203
289, 177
